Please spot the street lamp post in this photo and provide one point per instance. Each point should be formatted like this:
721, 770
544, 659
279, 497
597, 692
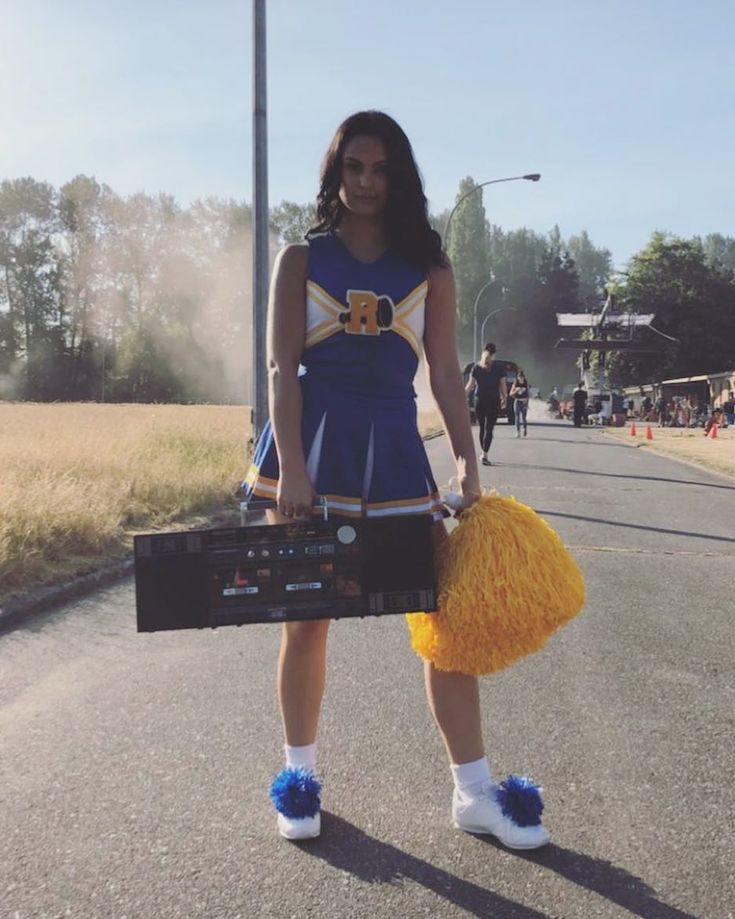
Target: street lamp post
259, 395
503, 309
474, 316
530, 177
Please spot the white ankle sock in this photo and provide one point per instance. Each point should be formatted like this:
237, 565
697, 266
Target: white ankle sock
301, 756
470, 777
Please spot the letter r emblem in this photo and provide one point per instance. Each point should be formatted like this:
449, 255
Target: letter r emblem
363, 316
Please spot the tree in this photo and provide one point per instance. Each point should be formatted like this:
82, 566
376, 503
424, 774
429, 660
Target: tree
532, 282
594, 266
80, 207
110, 297
30, 302
439, 221
719, 251
514, 259
290, 221
693, 302
557, 292
555, 242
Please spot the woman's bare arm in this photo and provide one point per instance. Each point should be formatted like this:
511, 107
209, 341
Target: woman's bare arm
286, 335
445, 377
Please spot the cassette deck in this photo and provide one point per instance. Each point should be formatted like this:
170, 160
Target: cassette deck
318, 569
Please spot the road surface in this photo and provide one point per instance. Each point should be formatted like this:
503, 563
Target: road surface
135, 768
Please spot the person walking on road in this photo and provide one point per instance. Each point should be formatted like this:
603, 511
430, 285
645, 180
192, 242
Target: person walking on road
728, 407
579, 398
520, 393
354, 308
488, 378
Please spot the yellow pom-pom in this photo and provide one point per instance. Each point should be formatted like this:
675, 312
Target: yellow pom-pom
506, 583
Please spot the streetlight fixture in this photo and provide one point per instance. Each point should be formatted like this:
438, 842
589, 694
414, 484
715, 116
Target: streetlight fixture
503, 309
529, 177
474, 315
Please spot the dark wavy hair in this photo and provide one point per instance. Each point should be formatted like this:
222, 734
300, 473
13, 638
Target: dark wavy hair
409, 232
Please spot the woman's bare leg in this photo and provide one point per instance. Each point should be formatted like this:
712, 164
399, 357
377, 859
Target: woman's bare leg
454, 700
301, 671
301, 677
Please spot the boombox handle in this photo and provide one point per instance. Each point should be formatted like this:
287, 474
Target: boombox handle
264, 504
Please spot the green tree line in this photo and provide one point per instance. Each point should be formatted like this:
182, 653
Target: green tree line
113, 298
689, 284
136, 298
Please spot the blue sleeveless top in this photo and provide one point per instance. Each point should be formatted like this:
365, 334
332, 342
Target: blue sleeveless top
364, 322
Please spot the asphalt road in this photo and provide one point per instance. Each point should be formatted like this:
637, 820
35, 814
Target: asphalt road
134, 769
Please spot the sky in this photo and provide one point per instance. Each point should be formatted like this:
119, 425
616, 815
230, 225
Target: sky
625, 108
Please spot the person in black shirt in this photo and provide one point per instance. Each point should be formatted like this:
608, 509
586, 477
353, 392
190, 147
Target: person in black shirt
488, 378
580, 403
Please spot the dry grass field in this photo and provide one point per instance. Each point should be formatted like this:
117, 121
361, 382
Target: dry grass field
79, 479
688, 444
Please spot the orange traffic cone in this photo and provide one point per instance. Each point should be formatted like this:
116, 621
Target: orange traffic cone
649, 432
713, 431
632, 429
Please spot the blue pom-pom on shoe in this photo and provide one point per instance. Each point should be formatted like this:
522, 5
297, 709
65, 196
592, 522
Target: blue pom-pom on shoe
520, 799
295, 793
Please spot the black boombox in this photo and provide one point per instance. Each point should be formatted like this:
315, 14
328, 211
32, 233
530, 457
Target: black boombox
323, 568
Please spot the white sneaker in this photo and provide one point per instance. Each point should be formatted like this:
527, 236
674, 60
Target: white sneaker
299, 827
518, 433
483, 813
295, 794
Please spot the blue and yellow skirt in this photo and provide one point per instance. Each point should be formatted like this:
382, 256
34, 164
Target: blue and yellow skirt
364, 455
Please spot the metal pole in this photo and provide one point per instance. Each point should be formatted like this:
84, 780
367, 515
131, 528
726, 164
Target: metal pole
503, 309
474, 317
261, 261
530, 177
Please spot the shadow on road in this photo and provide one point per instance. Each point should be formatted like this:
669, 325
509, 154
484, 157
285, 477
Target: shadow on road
348, 848
572, 442
535, 423
619, 475
605, 879
634, 526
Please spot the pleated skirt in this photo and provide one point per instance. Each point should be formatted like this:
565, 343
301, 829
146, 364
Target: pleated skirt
364, 454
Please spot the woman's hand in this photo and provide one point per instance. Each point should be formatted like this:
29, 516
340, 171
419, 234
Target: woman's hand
470, 490
463, 493
295, 496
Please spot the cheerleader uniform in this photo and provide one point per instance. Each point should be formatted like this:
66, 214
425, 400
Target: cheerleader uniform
365, 457
364, 332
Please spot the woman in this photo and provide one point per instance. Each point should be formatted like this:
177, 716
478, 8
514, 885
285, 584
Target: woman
519, 392
488, 378
353, 307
